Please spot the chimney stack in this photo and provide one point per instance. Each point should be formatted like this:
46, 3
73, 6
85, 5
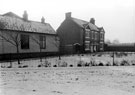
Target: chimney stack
25, 16
42, 20
92, 20
68, 15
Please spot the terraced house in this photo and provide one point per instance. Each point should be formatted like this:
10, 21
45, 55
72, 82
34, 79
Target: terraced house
26, 37
77, 35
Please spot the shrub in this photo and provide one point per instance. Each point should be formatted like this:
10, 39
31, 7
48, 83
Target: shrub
99, 55
108, 64
47, 64
87, 64
80, 64
39, 65
124, 63
123, 54
92, 62
70, 65
133, 62
54, 65
19, 66
100, 64
115, 63
25, 66
9, 67
64, 64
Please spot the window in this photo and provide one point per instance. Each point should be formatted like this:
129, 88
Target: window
87, 46
96, 35
92, 34
101, 46
42, 42
24, 41
102, 36
87, 34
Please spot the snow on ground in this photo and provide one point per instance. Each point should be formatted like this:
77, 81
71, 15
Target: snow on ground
101, 80
93, 80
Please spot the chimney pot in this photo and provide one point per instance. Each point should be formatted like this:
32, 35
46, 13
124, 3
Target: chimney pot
68, 15
92, 20
25, 16
42, 20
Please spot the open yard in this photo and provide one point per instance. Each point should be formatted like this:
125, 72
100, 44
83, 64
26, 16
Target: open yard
100, 80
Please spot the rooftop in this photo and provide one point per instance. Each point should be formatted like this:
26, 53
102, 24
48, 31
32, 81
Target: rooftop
12, 21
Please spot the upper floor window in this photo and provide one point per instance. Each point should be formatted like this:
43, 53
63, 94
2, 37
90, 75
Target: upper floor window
42, 41
87, 34
87, 46
24, 41
92, 34
96, 35
102, 36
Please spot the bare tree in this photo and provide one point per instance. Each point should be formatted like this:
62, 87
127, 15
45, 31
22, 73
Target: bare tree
12, 37
36, 39
108, 41
116, 41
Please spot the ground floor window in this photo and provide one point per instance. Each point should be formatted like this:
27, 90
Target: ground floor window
24, 41
101, 46
87, 47
42, 41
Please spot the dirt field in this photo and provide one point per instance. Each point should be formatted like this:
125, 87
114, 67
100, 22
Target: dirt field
97, 80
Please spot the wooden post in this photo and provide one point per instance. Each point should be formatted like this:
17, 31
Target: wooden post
10, 61
113, 59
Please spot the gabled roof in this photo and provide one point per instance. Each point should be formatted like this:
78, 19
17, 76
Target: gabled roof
101, 29
11, 21
83, 24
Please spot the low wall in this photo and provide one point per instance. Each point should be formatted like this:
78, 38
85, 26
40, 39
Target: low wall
14, 56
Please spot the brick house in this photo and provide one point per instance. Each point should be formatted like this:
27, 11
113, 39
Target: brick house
25, 36
77, 35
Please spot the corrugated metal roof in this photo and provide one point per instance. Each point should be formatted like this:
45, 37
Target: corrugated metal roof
83, 23
11, 21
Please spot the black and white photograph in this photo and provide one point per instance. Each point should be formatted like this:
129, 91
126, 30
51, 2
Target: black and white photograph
67, 47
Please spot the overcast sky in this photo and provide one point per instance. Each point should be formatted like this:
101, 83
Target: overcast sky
116, 16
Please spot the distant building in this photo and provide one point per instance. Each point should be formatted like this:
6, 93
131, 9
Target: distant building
120, 47
80, 36
31, 37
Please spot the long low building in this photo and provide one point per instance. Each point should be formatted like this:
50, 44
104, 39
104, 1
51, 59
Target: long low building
124, 47
22, 36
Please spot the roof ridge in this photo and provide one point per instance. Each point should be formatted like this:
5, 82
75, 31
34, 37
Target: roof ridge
33, 26
11, 14
82, 24
80, 19
7, 15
